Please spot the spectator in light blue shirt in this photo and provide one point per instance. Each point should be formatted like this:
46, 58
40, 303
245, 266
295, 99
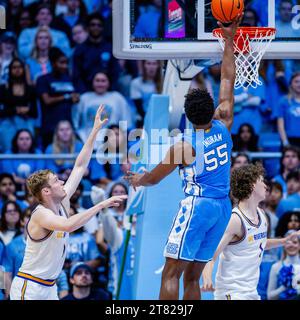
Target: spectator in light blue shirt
39, 63
43, 18
288, 114
23, 143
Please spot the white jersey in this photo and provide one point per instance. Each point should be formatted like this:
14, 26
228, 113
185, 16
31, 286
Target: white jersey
44, 258
238, 269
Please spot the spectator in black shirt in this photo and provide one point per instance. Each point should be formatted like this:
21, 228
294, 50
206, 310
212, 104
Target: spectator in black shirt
57, 95
19, 104
94, 56
81, 277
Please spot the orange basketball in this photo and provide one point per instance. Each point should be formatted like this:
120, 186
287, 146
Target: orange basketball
226, 10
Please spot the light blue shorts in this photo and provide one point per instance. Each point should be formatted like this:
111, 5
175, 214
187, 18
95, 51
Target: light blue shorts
198, 228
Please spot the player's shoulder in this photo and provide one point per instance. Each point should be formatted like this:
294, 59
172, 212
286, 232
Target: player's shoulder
39, 212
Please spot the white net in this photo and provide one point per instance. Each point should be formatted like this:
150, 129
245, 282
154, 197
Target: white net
250, 45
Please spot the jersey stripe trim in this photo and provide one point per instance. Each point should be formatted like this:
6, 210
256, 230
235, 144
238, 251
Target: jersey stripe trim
23, 290
232, 243
47, 283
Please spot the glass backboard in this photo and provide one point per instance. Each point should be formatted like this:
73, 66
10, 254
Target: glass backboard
167, 29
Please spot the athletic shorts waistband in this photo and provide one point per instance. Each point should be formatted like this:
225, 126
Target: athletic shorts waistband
46, 283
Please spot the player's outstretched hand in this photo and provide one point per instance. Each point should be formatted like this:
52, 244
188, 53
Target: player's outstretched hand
99, 123
207, 277
114, 201
230, 31
134, 178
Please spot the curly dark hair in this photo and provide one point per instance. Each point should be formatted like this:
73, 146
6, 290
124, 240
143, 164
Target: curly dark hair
199, 107
243, 180
282, 226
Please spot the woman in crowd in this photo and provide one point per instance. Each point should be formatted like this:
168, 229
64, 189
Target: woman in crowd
246, 139
116, 107
284, 280
144, 86
19, 104
289, 221
10, 226
287, 113
23, 142
39, 63
64, 142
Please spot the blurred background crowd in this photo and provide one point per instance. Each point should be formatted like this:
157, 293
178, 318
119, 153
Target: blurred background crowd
56, 67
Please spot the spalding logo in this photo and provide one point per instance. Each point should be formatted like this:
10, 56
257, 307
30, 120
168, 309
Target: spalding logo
172, 248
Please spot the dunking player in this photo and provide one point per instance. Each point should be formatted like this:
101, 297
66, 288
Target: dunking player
244, 241
205, 212
50, 224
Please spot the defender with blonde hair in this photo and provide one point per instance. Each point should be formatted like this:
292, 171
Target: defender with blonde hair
49, 226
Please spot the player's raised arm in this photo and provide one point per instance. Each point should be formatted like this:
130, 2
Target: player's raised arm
48, 220
84, 156
180, 153
224, 112
233, 229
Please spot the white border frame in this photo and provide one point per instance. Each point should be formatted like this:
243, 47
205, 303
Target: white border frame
124, 49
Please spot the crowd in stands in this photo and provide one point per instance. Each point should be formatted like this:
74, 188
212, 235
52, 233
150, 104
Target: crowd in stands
56, 68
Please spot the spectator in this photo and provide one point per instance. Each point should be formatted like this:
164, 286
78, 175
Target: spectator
128, 71
115, 143
19, 104
24, 21
290, 161
273, 198
7, 53
79, 34
240, 160
284, 275
213, 80
250, 18
86, 62
81, 278
292, 202
111, 239
283, 23
23, 143
82, 247
10, 227
116, 107
43, 18
76, 13
64, 142
289, 221
8, 191
38, 62
1, 270
144, 86
57, 95
246, 139
293, 182
248, 108
288, 114
144, 29
13, 11
29, 200
14, 252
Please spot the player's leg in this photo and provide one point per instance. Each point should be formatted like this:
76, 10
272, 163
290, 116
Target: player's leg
172, 272
192, 274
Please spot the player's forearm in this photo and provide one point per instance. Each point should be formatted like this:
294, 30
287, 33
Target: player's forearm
275, 243
85, 154
228, 70
79, 220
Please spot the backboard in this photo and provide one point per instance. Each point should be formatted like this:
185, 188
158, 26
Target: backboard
170, 29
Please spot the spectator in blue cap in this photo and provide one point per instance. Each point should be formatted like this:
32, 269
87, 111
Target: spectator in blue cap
81, 278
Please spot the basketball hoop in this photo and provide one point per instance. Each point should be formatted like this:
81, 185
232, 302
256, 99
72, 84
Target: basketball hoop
250, 44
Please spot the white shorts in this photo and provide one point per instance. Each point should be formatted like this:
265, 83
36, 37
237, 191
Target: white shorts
22, 289
236, 296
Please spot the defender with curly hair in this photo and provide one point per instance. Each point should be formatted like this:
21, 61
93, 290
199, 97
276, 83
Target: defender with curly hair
244, 241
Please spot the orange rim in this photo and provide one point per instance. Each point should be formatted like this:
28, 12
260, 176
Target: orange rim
250, 31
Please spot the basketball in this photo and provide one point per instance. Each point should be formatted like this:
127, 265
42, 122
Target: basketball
226, 10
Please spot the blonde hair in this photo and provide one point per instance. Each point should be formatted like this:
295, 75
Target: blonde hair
41, 29
57, 146
37, 181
